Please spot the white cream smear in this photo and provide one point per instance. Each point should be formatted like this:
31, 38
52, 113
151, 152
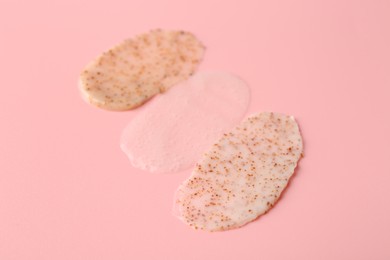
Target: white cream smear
176, 128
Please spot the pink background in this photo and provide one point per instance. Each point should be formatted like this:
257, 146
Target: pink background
68, 192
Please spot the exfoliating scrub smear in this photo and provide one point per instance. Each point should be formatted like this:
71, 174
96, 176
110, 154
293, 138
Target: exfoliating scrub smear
242, 175
178, 126
129, 74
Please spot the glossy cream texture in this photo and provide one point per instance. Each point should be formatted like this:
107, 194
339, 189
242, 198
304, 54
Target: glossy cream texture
172, 132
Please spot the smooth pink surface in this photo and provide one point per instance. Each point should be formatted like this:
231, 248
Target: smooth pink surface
68, 192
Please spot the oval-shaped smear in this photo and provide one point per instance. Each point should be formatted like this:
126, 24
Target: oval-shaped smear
127, 75
243, 174
173, 131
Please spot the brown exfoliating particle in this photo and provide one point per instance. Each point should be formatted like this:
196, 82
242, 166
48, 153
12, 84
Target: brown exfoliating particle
243, 174
132, 72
